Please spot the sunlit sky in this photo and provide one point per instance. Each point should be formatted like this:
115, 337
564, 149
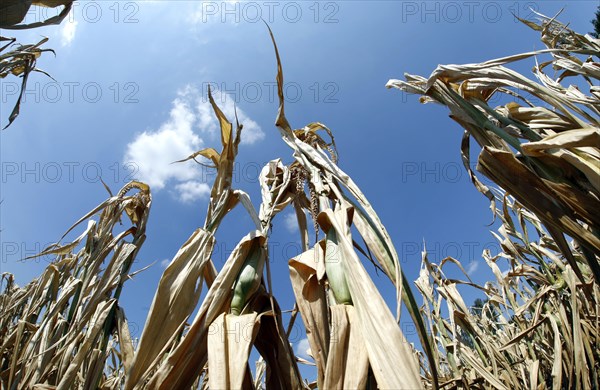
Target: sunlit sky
129, 96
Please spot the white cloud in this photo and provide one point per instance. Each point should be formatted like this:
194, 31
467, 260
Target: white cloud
164, 263
473, 265
303, 349
154, 151
67, 31
190, 191
291, 222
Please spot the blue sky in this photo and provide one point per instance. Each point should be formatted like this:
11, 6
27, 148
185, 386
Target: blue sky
130, 97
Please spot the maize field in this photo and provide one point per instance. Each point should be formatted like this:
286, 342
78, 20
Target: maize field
539, 326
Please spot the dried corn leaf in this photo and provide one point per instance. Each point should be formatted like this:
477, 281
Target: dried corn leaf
348, 361
312, 304
229, 343
184, 363
392, 361
175, 298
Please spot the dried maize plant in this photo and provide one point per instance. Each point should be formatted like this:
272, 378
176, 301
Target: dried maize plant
238, 310
66, 329
17, 59
354, 338
538, 328
547, 155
